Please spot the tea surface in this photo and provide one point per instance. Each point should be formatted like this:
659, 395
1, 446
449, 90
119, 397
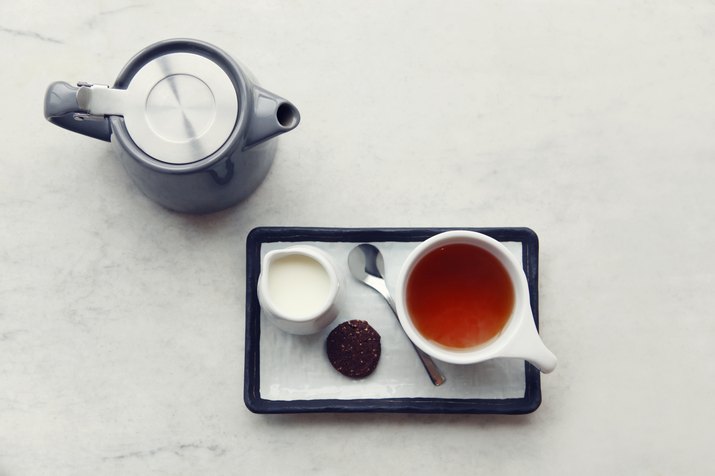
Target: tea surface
459, 296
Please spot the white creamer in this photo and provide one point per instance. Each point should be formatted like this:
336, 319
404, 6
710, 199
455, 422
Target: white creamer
298, 289
298, 285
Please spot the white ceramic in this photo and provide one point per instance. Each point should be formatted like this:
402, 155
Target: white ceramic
518, 339
296, 321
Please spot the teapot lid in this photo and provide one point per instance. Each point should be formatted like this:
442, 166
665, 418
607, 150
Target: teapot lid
178, 108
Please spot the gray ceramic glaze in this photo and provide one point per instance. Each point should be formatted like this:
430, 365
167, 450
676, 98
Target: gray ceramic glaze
211, 183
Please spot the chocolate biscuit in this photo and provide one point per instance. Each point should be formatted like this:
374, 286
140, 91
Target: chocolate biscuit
354, 348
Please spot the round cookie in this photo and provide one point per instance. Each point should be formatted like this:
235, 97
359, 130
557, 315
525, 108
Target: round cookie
354, 348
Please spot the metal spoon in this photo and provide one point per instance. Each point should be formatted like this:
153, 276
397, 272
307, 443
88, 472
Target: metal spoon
367, 266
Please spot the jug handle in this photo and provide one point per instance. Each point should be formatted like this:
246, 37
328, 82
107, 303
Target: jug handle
62, 109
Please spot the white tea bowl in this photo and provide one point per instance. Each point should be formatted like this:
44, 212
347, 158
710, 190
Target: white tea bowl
518, 338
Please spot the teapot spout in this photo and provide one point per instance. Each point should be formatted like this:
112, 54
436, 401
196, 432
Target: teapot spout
272, 116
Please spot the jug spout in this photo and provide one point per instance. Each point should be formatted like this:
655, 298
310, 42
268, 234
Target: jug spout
272, 116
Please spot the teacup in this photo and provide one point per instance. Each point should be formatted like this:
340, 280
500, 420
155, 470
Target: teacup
515, 334
298, 289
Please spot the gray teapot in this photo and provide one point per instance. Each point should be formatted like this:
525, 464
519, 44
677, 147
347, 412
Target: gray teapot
189, 124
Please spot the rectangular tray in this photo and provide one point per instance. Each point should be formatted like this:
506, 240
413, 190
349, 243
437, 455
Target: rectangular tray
291, 374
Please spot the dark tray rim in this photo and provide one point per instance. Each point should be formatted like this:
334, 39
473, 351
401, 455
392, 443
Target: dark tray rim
251, 390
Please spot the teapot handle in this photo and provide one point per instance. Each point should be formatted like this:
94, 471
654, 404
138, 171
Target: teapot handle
62, 109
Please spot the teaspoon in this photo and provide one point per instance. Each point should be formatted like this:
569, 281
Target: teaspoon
367, 266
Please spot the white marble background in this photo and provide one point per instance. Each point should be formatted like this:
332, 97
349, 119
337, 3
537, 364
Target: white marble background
592, 122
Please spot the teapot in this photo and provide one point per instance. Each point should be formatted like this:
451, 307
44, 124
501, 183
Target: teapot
189, 123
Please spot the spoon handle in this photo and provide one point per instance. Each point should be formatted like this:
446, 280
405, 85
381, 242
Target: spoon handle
435, 374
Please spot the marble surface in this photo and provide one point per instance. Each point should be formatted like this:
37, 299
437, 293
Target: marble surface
592, 122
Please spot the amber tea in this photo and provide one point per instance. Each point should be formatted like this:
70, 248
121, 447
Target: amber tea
459, 296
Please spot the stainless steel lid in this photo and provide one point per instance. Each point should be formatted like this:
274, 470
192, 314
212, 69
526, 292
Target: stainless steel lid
178, 108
